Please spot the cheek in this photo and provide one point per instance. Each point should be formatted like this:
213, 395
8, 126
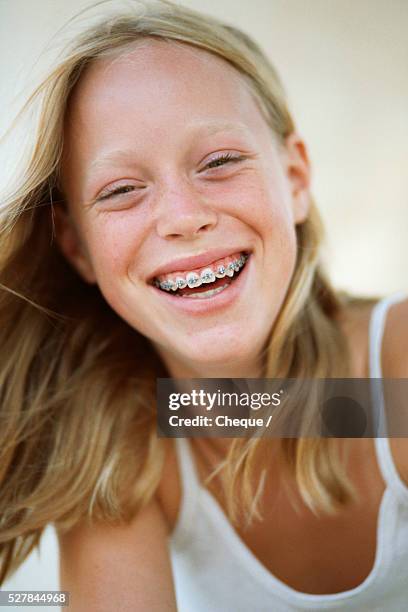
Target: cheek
114, 240
264, 204
271, 218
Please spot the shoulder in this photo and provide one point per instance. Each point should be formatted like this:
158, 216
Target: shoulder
395, 360
355, 322
395, 346
99, 561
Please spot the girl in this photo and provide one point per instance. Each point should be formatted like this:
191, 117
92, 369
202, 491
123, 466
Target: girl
165, 146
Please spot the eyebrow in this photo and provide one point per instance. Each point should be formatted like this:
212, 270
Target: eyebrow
213, 127
112, 157
210, 129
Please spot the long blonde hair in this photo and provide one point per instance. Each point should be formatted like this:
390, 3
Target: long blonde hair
77, 384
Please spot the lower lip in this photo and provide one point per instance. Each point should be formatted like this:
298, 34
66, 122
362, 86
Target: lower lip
215, 303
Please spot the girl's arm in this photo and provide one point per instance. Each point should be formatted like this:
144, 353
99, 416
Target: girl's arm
125, 568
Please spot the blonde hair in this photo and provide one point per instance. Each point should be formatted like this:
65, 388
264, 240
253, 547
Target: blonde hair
77, 384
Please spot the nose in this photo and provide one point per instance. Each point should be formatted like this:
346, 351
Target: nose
183, 212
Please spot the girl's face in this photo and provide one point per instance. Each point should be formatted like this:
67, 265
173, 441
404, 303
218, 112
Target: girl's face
167, 157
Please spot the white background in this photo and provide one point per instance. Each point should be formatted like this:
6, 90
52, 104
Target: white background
344, 65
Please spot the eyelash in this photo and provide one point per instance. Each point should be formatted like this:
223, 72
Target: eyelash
218, 161
117, 191
226, 157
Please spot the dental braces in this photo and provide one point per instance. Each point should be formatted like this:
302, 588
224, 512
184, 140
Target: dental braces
193, 280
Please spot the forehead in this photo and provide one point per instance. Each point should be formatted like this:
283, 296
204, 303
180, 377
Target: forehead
157, 83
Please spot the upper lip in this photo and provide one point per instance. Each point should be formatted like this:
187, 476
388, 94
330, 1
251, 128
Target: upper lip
196, 261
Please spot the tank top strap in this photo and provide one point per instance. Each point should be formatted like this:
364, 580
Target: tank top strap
382, 444
389, 470
188, 470
376, 332
190, 486
377, 324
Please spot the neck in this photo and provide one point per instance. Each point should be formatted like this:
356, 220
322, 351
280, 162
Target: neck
179, 369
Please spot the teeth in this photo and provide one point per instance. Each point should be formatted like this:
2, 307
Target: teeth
193, 280
181, 282
207, 276
206, 294
220, 273
168, 285
230, 269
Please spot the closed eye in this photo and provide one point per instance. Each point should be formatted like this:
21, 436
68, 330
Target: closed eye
217, 162
117, 191
224, 159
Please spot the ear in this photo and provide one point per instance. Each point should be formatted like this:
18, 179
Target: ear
299, 174
70, 244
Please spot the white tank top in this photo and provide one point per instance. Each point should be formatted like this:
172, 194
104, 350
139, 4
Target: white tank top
214, 571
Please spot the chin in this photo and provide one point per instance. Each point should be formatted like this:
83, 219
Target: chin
219, 354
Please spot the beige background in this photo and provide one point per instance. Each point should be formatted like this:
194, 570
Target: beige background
344, 64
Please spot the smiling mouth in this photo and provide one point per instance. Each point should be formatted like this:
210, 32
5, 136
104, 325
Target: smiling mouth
210, 283
205, 291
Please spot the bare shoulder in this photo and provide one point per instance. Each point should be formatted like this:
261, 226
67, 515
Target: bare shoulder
395, 364
395, 348
122, 566
355, 322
